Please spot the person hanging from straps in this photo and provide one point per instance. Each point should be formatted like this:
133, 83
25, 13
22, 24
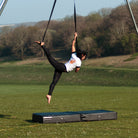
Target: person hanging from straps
74, 63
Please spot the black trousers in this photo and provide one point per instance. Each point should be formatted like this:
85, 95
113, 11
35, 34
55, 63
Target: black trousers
59, 68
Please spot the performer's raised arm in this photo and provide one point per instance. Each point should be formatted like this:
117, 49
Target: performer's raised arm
73, 43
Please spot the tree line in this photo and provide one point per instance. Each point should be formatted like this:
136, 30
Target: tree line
107, 32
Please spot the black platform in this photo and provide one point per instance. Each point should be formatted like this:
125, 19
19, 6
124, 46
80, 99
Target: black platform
80, 116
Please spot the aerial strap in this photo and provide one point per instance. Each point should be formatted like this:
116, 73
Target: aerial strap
49, 20
132, 16
75, 20
75, 23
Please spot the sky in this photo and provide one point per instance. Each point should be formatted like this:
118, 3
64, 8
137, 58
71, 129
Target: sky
20, 11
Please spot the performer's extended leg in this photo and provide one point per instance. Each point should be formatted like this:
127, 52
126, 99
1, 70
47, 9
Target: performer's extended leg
56, 77
59, 68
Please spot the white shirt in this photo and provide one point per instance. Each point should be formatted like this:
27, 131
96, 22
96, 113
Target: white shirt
73, 63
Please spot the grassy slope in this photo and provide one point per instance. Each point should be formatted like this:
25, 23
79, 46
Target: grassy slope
108, 71
42, 74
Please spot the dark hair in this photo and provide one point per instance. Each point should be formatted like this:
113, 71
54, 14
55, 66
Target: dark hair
80, 53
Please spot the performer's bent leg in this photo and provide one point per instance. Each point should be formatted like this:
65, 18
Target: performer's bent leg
56, 78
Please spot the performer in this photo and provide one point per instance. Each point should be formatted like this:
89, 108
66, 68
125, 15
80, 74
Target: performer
73, 63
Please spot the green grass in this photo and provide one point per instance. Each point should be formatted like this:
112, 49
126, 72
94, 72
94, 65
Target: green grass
18, 102
23, 89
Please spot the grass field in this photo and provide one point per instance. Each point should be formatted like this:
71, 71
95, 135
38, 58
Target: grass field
23, 89
18, 102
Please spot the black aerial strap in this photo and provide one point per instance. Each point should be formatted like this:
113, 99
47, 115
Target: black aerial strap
49, 20
75, 23
75, 20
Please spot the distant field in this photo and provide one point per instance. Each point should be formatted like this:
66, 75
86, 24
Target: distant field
100, 84
18, 102
125, 61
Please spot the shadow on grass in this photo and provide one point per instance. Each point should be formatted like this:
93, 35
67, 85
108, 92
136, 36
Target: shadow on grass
30, 121
5, 116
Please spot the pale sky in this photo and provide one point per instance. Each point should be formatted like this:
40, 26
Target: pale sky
19, 11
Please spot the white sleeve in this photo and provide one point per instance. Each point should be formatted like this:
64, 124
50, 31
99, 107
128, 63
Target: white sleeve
74, 55
78, 63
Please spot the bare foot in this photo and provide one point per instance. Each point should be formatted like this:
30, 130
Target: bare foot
48, 98
40, 43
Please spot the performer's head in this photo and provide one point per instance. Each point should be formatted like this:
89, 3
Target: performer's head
82, 55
